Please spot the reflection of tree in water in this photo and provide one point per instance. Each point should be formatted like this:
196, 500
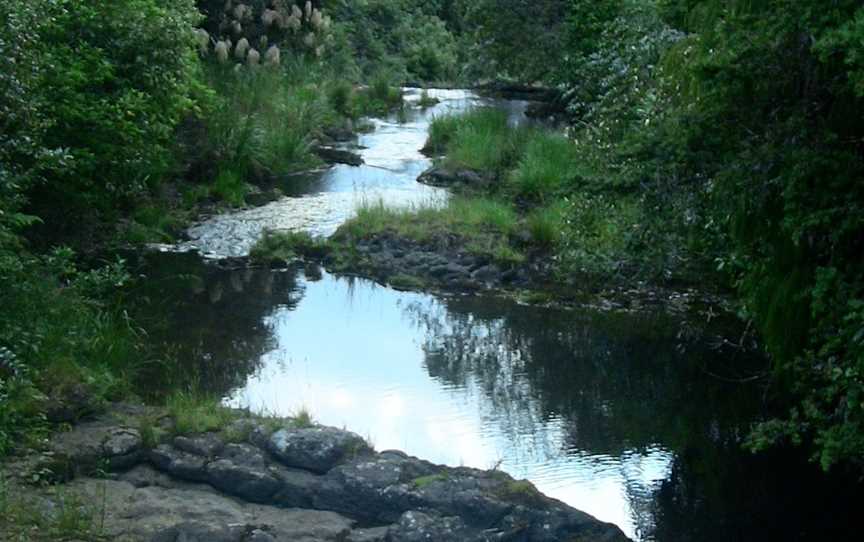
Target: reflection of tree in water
209, 322
617, 385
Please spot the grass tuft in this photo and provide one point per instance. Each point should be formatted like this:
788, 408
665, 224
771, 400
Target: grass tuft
194, 412
546, 167
284, 246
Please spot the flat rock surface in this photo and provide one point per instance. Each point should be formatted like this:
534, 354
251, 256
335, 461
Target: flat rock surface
300, 484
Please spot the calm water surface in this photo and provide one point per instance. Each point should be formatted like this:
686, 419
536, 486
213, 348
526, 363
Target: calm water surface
620, 415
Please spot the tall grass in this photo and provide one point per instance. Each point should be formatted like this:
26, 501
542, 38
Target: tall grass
481, 139
547, 165
263, 121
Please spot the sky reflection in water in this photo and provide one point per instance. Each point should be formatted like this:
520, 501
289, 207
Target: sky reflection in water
356, 355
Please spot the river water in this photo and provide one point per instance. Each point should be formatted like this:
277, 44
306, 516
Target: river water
636, 419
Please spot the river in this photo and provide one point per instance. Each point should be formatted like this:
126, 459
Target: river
635, 418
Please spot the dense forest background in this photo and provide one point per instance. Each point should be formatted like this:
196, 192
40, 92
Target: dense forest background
720, 139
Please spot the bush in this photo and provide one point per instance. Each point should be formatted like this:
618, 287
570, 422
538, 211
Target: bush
62, 332
119, 77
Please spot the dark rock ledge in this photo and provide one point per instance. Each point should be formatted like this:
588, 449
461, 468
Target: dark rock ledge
261, 481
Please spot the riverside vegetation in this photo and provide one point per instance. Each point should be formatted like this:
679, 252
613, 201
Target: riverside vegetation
709, 142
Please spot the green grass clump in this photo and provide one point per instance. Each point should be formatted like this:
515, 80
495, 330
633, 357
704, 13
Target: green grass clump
230, 187
341, 97
461, 215
482, 139
547, 225
442, 129
194, 412
285, 246
426, 101
402, 281
547, 165
425, 481
484, 224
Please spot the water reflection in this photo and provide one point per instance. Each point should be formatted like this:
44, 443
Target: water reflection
605, 412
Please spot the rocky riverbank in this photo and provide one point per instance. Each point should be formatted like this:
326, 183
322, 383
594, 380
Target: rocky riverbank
262, 479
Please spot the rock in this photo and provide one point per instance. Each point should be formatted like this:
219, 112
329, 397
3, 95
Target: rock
374, 534
374, 489
178, 463
146, 476
279, 478
245, 472
200, 514
317, 449
297, 488
257, 198
205, 445
90, 443
446, 177
123, 448
342, 133
338, 156
73, 403
419, 527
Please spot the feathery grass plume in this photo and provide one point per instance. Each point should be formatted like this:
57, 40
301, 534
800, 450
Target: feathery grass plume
272, 57
325, 24
222, 51
237, 28
308, 9
316, 20
319, 50
241, 49
203, 39
242, 11
269, 17
309, 40
263, 42
295, 12
293, 23
253, 58
228, 5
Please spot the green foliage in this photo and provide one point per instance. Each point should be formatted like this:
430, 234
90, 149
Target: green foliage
514, 38
62, 334
484, 141
260, 122
484, 224
126, 77
548, 224
441, 132
409, 38
284, 246
194, 412
230, 187
546, 167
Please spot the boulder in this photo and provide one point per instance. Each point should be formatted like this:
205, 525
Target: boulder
317, 449
338, 156
443, 176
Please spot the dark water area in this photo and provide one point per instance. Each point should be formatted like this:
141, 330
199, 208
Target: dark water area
620, 415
